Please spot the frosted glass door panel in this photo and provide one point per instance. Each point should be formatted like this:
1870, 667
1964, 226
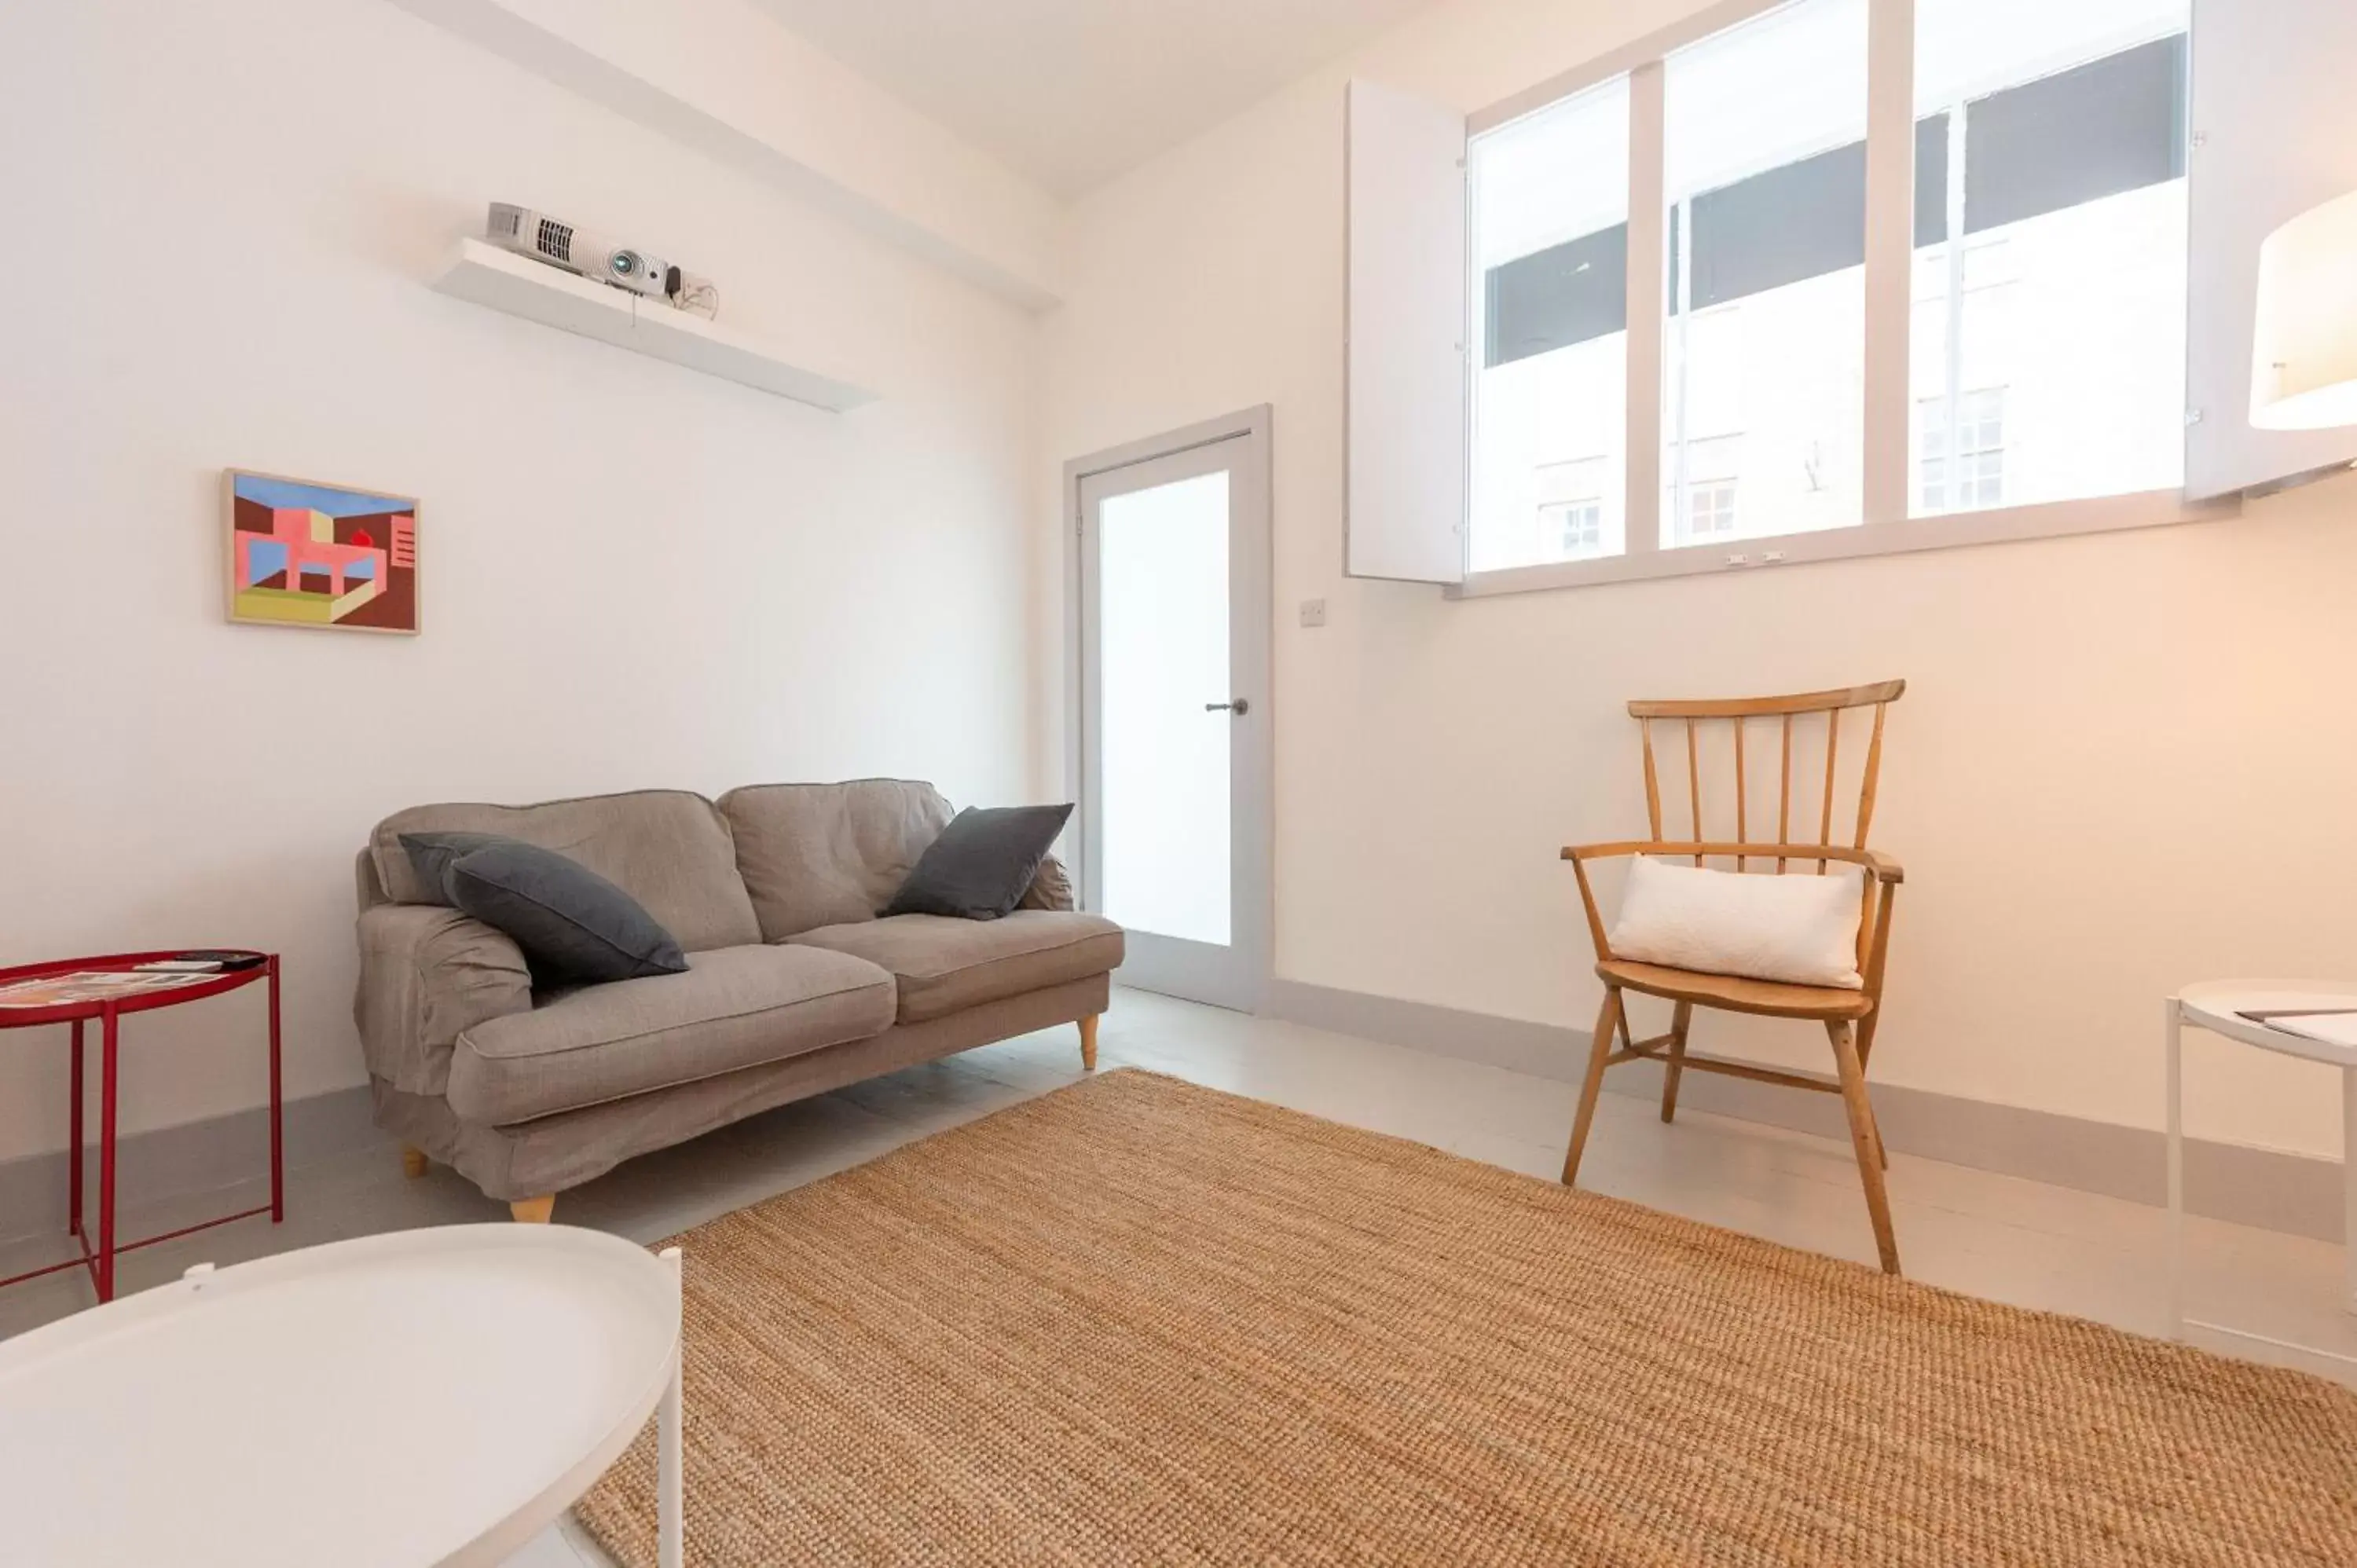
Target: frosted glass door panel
1171, 750
1163, 650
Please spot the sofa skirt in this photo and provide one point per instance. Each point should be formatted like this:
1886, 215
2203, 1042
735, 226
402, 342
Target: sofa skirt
550, 1154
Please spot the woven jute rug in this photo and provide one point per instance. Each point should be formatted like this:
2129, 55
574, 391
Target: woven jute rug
1142, 1322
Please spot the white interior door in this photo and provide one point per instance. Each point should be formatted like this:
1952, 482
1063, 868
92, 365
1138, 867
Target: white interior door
1174, 705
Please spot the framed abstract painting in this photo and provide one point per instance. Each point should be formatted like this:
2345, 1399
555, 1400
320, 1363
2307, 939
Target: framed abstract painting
320, 555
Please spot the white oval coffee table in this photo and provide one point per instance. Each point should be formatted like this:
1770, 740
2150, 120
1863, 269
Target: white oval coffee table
428, 1397
2220, 1007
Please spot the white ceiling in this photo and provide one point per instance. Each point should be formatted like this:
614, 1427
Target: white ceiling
1071, 92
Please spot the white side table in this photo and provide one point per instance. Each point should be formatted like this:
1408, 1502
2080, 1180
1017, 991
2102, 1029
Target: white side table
2218, 1006
428, 1397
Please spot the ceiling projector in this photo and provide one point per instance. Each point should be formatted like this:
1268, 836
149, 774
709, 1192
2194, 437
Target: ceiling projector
545, 239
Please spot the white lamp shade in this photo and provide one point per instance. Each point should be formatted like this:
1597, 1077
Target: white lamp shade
2304, 362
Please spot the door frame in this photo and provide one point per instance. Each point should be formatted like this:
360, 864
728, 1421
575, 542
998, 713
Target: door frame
1251, 599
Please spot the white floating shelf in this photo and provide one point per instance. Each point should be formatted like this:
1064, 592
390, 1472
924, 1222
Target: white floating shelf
537, 292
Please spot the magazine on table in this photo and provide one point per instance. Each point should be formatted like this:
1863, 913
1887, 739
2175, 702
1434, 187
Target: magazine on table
92, 985
2333, 1026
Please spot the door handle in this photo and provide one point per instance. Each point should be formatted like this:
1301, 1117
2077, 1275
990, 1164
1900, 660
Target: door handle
1237, 706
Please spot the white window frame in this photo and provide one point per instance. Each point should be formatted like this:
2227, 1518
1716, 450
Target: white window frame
1887, 527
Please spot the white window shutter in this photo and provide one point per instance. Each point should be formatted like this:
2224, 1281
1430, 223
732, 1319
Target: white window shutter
1404, 425
2275, 127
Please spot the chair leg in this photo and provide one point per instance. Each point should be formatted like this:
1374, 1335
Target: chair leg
413, 1161
1605, 1021
1865, 1055
533, 1210
1866, 1139
1680, 1022
1089, 1041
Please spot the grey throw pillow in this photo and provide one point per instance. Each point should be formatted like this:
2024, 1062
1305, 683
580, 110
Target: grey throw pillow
430, 855
574, 926
983, 863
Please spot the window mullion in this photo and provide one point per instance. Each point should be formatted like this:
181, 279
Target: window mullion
1889, 255
1952, 385
1681, 430
1642, 470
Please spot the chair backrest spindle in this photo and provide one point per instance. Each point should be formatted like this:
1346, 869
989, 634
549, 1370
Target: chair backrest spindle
1742, 789
1694, 786
1873, 774
1785, 795
1832, 749
1652, 783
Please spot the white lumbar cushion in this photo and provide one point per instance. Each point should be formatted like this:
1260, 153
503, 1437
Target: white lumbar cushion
1799, 928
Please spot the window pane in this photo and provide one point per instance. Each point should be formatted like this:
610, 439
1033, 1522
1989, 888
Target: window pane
1550, 397
2049, 340
1763, 364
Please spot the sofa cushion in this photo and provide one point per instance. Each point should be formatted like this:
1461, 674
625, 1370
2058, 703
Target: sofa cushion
944, 965
734, 1007
821, 855
666, 848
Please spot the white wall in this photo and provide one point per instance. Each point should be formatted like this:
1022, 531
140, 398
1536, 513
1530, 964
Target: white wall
721, 77
2124, 761
222, 218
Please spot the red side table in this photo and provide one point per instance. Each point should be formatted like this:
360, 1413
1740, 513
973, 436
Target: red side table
110, 1011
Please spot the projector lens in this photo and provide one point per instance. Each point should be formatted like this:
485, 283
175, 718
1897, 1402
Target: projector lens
625, 263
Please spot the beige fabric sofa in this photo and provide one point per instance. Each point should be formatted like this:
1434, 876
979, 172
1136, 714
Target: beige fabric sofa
794, 985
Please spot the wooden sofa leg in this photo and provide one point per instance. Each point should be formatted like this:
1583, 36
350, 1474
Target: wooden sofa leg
1089, 1041
413, 1162
533, 1210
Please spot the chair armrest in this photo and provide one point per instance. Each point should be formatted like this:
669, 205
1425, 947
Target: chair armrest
1051, 888
428, 974
1586, 851
1881, 867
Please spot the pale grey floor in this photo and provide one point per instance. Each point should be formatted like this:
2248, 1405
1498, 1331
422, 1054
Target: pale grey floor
1993, 1236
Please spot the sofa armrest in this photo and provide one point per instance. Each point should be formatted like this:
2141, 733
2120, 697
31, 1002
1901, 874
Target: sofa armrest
426, 974
1051, 888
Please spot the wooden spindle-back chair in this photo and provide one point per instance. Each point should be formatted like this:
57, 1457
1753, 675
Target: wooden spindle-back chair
1849, 1017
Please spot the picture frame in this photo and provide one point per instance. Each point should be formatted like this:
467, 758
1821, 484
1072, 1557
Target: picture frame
324, 556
